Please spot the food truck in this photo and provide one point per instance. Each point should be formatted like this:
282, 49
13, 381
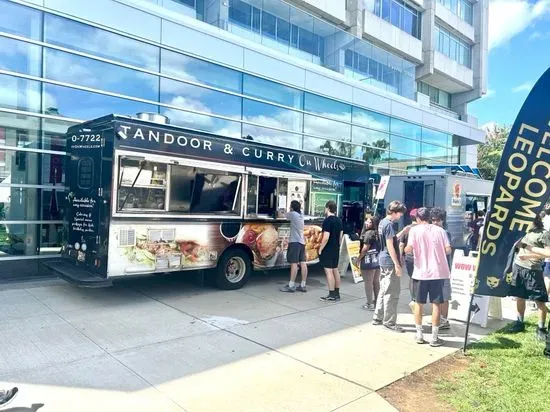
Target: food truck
460, 194
146, 197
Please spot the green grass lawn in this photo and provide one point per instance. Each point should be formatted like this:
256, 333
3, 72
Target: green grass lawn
506, 373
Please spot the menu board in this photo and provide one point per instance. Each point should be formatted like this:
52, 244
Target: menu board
319, 200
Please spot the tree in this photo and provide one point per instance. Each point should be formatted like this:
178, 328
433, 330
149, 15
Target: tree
490, 153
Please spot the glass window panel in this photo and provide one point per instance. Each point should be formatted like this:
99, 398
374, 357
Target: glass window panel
70, 68
270, 136
20, 94
324, 127
17, 167
21, 20
403, 162
371, 155
327, 107
433, 136
240, 13
18, 203
408, 22
51, 238
404, 146
190, 97
18, 239
102, 43
395, 14
283, 31
19, 56
369, 137
199, 71
274, 116
79, 104
53, 134
372, 120
256, 19
410, 130
202, 123
268, 90
269, 25
386, 5
19, 131
438, 153
328, 147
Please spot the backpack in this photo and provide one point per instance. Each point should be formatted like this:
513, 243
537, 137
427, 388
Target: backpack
370, 261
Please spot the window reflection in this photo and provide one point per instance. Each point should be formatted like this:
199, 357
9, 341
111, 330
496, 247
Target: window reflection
70, 68
20, 94
19, 131
437, 153
274, 116
404, 146
190, 97
324, 127
18, 167
268, 90
273, 137
402, 161
328, 147
369, 137
327, 107
53, 134
21, 20
200, 71
202, 122
79, 104
18, 239
19, 56
51, 238
102, 43
369, 119
433, 136
410, 130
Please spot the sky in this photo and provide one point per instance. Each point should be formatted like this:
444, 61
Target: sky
519, 53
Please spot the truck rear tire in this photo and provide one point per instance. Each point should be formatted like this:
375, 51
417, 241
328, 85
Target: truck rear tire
234, 268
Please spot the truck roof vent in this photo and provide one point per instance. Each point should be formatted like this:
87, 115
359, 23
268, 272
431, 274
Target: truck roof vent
153, 117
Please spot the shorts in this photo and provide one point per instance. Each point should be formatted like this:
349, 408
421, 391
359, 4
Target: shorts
329, 259
546, 272
528, 284
296, 253
432, 288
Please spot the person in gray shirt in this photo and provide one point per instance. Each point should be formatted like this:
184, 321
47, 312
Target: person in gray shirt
296, 253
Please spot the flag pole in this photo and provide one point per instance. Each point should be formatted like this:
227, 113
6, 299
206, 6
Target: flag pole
468, 321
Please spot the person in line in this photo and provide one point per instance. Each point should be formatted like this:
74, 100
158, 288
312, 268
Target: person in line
368, 262
407, 259
546, 271
7, 395
527, 279
476, 227
430, 246
296, 252
390, 268
438, 218
329, 251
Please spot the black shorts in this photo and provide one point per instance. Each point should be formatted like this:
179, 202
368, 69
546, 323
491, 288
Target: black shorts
329, 259
433, 288
528, 284
296, 253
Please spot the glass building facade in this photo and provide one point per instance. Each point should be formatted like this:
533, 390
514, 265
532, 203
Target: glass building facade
56, 72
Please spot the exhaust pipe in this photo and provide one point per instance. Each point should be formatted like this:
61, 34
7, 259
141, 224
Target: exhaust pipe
153, 117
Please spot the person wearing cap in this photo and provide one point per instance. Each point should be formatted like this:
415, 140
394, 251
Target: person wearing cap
407, 259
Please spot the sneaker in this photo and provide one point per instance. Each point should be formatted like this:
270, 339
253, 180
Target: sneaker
376, 322
394, 328
8, 396
541, 335
412, 305
286, 288
301, 288
436, 343
420, 340
444, 325
330, 298
368, 306
516, 327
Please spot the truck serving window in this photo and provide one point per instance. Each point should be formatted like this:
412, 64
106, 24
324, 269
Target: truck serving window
271, 196
142, 186
203, 191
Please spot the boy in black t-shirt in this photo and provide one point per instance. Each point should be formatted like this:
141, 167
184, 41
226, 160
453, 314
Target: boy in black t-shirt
329, 251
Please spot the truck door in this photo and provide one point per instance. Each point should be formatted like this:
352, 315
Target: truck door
85, 197
429, 193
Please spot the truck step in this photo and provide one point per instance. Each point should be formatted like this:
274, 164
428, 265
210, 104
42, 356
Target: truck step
76, 275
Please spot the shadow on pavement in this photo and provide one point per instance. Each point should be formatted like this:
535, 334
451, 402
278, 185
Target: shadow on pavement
33, 408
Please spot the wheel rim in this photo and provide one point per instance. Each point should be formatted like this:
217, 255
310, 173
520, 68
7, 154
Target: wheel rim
235, 269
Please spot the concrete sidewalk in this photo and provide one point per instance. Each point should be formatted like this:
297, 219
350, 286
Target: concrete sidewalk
164, 344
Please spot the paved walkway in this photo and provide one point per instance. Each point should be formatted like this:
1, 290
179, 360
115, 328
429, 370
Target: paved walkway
164, 344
